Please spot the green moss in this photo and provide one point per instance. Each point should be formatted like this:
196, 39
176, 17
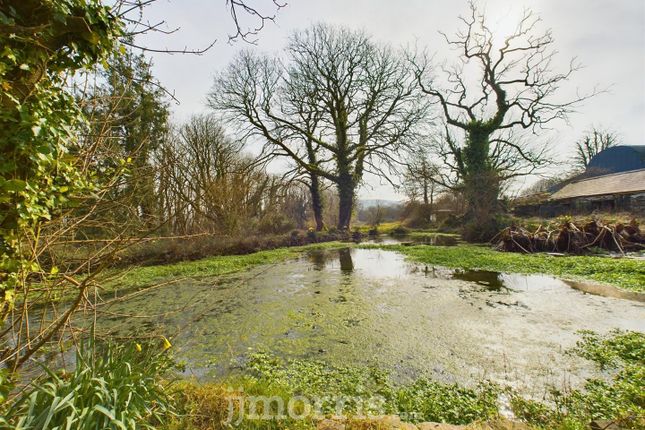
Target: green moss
617, 398
624, 273
345, 390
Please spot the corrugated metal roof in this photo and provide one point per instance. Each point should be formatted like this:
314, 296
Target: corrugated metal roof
617, 183
617, 159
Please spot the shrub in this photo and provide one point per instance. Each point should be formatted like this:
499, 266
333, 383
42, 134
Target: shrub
451, 223
275, 223
357, 235
312, 235
417, 215
400, 231
113, 386
484, 230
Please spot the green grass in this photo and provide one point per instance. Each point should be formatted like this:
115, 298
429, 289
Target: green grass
363, 390
617, 397
139, 277
624, 273
383, 228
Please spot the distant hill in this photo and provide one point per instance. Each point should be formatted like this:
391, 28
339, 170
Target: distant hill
368, 203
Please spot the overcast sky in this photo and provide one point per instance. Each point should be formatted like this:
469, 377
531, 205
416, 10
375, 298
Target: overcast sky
607, 37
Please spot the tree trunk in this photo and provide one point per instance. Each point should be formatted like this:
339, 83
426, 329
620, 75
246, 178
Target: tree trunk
425, 190
316, 201
481, 191
481, 186
431, 203
346, 201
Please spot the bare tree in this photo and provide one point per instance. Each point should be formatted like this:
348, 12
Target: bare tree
342, 99
375, 215
248, 91
206, 184
516, 91
421, 178
592, 143
248, 34
422, 181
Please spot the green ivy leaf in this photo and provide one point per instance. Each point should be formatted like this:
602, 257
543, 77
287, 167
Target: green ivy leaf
14, 185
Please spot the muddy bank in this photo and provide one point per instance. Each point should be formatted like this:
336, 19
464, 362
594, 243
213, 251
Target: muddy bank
172, 250
607, 291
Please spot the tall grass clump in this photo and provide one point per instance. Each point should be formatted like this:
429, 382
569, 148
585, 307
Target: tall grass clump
112, 386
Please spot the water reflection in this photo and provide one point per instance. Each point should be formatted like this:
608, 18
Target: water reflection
493, 281
318, 260
345, 259
381, 264
408, 240
434, 240
372, 263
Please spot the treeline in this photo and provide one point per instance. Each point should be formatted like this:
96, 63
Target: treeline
177, 179
333, 106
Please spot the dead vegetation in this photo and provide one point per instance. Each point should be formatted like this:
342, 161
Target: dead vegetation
571, 237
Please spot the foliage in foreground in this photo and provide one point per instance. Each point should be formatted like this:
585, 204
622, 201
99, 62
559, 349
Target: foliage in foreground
360, 391
112, 387
41, 172
619, 398
119, 387
423, 400
624, 273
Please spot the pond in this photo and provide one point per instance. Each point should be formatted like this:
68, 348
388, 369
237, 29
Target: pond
372, 307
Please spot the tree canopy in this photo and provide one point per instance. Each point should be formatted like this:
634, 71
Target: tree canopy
338, 105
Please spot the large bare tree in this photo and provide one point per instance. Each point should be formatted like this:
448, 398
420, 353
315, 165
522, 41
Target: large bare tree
338, 106
248, 91
492, 94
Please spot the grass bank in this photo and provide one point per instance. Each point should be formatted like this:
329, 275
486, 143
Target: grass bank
625, 273
143, 276
389, 227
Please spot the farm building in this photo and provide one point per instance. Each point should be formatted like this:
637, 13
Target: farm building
614, 181
624, 191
